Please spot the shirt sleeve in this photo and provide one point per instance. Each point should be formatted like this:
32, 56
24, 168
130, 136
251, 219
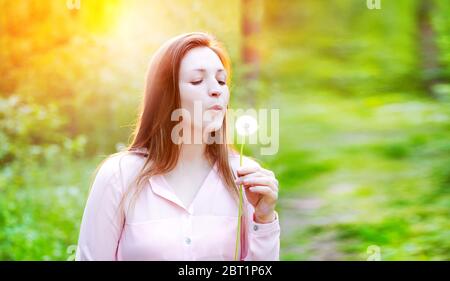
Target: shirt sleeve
263, 238
102, 221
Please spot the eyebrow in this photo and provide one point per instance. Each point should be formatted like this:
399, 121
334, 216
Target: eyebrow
204, 70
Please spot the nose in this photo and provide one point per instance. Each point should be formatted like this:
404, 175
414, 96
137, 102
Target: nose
214, 91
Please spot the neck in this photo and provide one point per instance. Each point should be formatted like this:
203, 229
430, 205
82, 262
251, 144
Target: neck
192, 154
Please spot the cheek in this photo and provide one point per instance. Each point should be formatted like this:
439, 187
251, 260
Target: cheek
190, 93
187, 97
226, 94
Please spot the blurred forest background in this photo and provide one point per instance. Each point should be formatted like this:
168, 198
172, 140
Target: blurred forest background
363, 93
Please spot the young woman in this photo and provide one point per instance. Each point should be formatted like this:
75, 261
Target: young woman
171, 196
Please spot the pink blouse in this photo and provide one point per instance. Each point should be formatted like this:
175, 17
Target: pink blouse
161, 227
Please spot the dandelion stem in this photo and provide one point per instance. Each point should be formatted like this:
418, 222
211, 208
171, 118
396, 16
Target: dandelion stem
238, 232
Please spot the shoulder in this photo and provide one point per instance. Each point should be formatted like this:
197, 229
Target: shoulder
120, 167
121, 161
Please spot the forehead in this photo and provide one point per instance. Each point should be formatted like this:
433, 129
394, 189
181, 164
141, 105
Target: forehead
200, 57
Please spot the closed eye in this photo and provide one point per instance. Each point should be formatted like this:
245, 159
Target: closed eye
196, 82
222, 82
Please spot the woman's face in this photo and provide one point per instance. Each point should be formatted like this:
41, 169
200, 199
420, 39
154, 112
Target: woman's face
202, 84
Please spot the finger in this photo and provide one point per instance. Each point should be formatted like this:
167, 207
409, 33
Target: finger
267, 172
260, 181
249, 169
264, 190
244, 170
262, 172
248, 176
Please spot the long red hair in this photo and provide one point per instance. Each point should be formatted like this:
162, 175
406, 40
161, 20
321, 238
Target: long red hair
162, 97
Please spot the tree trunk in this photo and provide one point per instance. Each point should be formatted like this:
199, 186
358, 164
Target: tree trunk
429, 51
251, 26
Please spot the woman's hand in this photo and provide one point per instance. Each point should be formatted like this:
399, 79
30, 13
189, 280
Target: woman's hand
261, 190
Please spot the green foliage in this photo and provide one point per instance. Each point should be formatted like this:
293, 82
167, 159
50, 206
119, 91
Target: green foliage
364, 149
32, 134
33, 148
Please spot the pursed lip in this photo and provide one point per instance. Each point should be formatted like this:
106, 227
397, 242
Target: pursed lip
216, 107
